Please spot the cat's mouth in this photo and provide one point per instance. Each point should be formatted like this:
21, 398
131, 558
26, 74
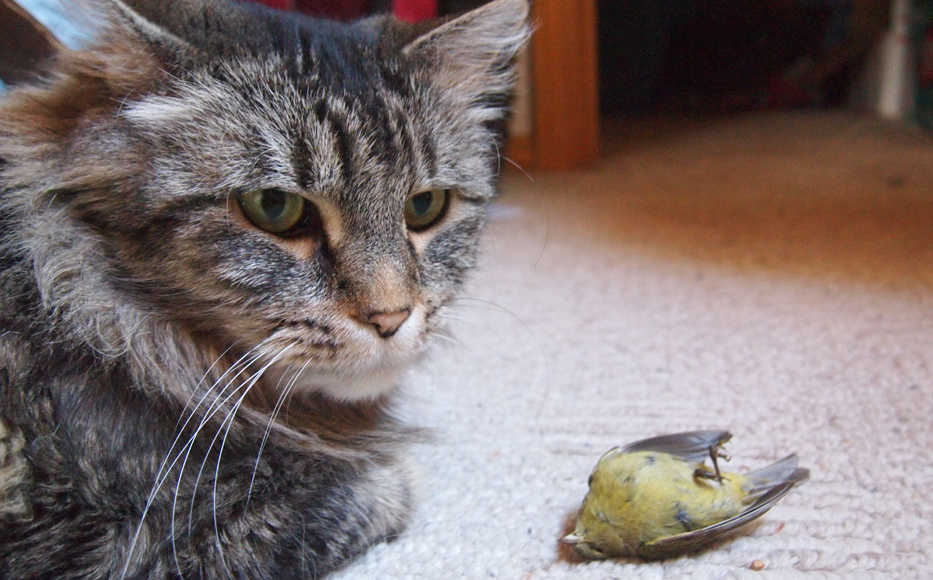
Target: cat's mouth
343, 358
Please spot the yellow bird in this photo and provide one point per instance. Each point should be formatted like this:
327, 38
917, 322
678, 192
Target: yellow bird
656, 498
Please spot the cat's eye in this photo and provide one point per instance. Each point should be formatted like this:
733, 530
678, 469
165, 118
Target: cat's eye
278, 212
426, 208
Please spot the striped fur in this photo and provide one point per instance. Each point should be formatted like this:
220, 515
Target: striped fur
152, 337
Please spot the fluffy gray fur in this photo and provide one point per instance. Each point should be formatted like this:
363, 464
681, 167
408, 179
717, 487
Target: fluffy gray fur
181, 392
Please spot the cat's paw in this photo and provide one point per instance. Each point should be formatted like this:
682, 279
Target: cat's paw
389, 490
373, 507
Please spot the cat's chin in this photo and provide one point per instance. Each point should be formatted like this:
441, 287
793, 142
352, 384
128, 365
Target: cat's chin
348, 387
356, 383
369, 386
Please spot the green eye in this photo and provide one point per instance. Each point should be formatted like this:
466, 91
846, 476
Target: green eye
424, 209
272, 210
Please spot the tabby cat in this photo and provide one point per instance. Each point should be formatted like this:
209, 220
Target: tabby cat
225, 231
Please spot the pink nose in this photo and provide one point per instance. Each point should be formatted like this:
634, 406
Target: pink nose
388, 323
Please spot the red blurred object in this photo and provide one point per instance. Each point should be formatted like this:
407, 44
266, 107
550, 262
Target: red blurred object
343, 9
410, 10
280, 4
414, 10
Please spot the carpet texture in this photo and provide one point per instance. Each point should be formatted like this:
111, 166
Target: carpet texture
770, 274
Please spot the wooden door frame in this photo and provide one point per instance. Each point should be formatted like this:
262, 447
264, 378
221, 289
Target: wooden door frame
565, 87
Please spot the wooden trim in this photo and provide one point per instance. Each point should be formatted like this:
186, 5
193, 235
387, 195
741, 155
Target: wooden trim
564, 55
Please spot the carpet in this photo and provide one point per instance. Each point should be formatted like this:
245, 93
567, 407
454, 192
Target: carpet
770, 274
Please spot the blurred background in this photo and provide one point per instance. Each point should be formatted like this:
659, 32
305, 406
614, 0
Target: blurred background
594, 62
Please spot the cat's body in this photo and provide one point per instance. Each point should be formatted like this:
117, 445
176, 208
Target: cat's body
225, 232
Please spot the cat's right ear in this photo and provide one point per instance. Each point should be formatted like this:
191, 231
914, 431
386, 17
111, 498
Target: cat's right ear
473, 55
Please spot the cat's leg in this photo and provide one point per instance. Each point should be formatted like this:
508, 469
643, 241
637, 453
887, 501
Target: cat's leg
373, 508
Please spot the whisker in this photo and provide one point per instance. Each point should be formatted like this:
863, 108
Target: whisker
448, 339
189, 444
207, 373
231, 417
486, 302
162, 473
446, 315
275, 412
212, 410
498, 307
519, 167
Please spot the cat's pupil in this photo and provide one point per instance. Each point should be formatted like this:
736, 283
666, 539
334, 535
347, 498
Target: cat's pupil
421, 203
273, 204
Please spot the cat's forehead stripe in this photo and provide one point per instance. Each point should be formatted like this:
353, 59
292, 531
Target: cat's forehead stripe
428, 155
398, 144
302, 162
405, 137
344, 147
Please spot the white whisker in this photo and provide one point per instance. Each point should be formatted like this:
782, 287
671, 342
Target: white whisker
447, 339
189, 444
212, 410
207, 373
231, 417
164, 469
464, 301
520, 168
447, 313
265, 436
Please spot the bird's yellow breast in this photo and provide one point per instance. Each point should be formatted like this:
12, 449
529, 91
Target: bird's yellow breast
638, 497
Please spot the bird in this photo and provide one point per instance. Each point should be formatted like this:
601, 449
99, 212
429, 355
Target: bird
656, 498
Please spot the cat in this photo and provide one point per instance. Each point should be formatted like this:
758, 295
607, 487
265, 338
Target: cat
225, 232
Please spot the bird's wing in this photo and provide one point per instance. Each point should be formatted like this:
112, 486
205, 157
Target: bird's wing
690, 541
761, 481
692, 446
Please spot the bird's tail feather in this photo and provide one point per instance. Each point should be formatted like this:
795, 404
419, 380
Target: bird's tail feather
760, 481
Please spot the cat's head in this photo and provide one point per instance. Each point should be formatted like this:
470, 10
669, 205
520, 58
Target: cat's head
307, 189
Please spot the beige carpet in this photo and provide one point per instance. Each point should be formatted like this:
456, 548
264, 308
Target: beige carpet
772, 275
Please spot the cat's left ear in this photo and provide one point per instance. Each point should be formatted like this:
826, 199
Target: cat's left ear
124, 13
27, 43
473, 55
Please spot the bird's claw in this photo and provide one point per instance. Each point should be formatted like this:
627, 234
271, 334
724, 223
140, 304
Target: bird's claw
715, 454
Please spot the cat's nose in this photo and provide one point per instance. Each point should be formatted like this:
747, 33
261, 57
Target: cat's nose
388, 323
